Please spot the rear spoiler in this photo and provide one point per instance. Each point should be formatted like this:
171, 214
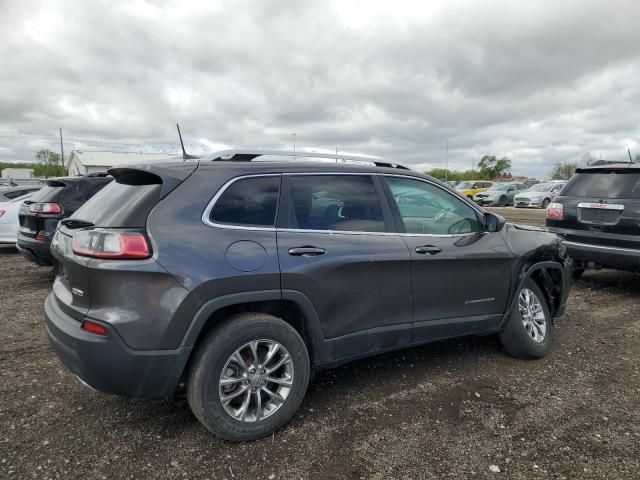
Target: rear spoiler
169, 176
609, 167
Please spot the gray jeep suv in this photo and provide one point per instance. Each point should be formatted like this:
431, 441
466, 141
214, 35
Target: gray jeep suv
240, 277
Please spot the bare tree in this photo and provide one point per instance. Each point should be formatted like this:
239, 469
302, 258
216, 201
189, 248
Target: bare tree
588, 158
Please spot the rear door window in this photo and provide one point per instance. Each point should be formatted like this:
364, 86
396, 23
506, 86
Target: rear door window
250, 202
604, 184
335, 202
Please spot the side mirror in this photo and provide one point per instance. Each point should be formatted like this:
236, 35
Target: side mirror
493, 222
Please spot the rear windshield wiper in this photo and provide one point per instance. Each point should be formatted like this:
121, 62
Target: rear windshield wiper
76, 223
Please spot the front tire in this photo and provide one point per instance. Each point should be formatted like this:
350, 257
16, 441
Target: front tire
529, 329
502, 202
248, 377
545, 203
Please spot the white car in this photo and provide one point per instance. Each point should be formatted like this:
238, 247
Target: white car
9, 222
539, 195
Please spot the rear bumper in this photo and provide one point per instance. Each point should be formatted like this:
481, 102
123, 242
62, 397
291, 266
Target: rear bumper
601, 255
604, 256
107, 364
37, 251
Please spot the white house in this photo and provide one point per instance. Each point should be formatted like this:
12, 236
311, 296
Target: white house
82, 162
17, 173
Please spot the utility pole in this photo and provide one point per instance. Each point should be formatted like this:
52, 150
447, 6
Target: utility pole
61, 149
446, 170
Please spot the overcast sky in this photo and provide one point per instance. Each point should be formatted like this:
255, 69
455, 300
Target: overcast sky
540, 82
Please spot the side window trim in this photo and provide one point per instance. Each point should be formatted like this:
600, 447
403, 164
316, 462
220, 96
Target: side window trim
206, 215
388, 205
400, 222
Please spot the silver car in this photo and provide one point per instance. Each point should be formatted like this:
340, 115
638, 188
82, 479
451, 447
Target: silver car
539, 196
500, 194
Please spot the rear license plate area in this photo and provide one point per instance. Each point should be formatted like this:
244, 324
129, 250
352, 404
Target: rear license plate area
599, 213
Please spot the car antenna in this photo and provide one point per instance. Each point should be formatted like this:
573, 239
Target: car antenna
185, 155
629, 152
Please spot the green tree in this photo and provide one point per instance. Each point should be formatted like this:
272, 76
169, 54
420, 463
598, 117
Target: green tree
49, 165
563, 171
47, 157
491, 167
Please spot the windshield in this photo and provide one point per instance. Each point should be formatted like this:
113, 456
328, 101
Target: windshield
464, 185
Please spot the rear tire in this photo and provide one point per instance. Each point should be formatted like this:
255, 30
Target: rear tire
235, 397
529, 329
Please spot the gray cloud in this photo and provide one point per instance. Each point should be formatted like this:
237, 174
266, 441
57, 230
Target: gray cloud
541, 83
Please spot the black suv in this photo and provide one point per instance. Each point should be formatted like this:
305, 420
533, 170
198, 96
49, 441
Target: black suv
240, 277
598, 215
40, 214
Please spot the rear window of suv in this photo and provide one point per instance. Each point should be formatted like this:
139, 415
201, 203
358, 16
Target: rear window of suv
604, 184
248, 202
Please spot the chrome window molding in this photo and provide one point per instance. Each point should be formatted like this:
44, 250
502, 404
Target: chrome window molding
207, 212
206, 216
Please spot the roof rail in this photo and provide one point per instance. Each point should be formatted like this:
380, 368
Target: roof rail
240, 155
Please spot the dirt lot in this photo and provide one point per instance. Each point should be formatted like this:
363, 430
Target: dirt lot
447, 410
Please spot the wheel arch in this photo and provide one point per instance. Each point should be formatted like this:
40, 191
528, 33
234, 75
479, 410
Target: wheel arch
550, 277
291, 306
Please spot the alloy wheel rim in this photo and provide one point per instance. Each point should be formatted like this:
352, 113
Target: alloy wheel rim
532, 315
256, 380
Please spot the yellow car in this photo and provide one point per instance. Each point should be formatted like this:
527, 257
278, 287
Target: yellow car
470, 188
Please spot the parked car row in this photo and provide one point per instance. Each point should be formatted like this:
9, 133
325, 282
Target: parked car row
40, 213
500, 194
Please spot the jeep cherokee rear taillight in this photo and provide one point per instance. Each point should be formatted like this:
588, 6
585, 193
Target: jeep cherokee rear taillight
111, 244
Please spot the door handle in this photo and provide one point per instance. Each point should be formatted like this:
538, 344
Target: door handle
430, 249
306, 251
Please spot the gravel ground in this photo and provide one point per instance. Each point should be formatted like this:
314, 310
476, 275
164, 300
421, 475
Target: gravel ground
456, 409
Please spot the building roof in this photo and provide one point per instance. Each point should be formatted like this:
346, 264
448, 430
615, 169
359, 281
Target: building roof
109, 159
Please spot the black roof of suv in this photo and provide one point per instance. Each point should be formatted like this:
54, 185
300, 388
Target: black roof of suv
240, 277
598, 215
